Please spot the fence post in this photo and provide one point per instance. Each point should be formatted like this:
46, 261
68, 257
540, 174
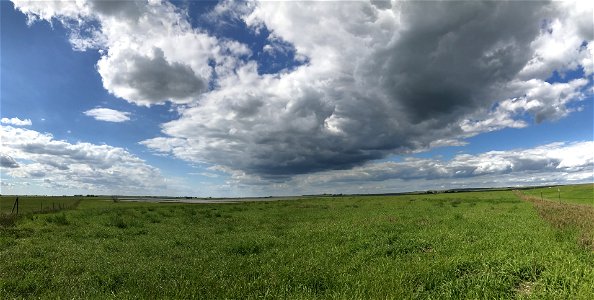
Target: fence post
15, 205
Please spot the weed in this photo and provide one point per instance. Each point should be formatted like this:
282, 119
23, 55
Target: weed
153, 217
8, 220
58, 219
118, 221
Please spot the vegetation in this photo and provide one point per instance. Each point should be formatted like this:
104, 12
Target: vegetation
565, 214
577, 194
10, 210
459, 245
37, 204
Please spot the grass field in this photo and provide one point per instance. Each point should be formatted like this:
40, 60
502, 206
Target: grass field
35, 204
460, 245
577, 194
572, 210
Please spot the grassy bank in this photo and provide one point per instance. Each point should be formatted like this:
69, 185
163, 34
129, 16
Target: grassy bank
463, 245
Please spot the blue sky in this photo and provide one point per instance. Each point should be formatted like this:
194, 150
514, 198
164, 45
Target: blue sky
254, 99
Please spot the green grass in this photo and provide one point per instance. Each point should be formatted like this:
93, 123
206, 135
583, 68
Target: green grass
577, 194
36, 204
462, 245
569, 214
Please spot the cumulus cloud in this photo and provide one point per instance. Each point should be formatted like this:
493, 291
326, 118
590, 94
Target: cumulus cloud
150, 52
81, 165
540, 99
7, 161
149, 80
564, 43
551, 163
380, 80
374, 78
108, 114
16, 121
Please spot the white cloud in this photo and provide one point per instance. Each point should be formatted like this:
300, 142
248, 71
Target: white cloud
16, 121
556, 157
150, 79
546, 164
368, 90
7, 161
80, 166
375, 79
46, 10
560, 46
142, 60
108, 114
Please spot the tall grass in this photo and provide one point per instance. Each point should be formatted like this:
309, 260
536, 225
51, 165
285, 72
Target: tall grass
464, 245
38, 204
8, 220
567, 216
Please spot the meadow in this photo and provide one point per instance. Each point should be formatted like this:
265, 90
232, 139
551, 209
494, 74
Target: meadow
496, 244
37, 204
576, 194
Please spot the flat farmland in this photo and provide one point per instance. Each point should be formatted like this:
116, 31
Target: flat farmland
37, 204
576, 194
470, 245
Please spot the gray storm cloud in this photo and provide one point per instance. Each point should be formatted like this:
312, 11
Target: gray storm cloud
454, 55
379, 79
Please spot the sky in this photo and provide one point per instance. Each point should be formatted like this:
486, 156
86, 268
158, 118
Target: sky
259, 98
